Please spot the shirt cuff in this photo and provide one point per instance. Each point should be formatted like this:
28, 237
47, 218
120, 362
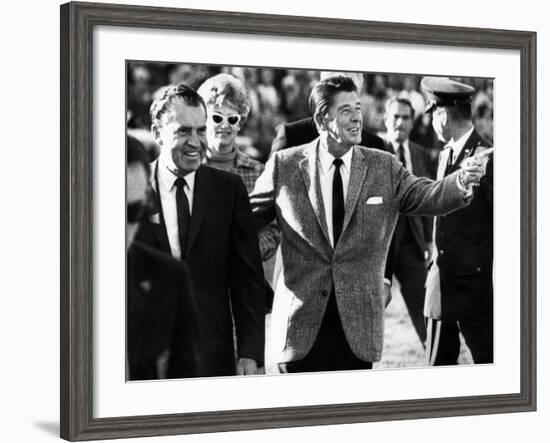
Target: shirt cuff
387, 281
467, 191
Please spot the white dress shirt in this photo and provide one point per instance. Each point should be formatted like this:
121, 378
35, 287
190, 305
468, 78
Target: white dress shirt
167, 192
326, 176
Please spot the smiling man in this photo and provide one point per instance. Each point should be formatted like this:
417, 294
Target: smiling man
336, 204
204, 219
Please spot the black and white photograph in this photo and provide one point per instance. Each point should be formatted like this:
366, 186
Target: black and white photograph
284, 220
274, 221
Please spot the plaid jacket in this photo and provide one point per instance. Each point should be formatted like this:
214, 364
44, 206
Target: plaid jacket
249, 170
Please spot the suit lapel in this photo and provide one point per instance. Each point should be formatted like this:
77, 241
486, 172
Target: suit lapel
159, 228
358, 173
201, 198
310, 174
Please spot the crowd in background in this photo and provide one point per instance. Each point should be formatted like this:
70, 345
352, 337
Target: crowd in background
279, 96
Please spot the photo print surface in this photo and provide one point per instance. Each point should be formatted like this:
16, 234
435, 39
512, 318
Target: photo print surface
287, 220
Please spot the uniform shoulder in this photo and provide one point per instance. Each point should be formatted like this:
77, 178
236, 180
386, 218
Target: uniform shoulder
299, 124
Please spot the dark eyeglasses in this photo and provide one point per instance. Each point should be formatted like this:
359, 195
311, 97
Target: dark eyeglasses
231, 119
136, 211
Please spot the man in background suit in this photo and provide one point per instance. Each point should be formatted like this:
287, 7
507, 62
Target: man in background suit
336, 204
411, 243
157, 291
459, 288
204, 219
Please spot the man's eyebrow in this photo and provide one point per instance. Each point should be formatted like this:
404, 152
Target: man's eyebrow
189, 128
347, 105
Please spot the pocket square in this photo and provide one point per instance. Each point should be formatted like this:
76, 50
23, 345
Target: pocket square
375, 201
155, 218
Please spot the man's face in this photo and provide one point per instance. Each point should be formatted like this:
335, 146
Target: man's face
399, 122
181, 136
136, 199
343, 122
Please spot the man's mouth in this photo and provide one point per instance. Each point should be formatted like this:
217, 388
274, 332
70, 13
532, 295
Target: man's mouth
355, 130
192, 154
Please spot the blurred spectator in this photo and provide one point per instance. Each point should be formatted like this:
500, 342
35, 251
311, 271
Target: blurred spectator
410, 92
278, 96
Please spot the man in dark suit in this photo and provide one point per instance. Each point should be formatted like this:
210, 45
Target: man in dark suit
459, 288
336, 204
204, 219
411, 243
157, 292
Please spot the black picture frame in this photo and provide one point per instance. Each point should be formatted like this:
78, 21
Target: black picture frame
77, 23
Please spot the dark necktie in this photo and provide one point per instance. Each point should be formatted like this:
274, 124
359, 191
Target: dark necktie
338, 210
184, 216
401, 154
450, 163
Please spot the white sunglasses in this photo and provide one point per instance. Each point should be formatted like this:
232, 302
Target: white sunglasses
231, 119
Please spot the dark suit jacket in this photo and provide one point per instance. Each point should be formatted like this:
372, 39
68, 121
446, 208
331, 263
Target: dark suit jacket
420, 227
226, 271
303, 131
464, 241
157, 298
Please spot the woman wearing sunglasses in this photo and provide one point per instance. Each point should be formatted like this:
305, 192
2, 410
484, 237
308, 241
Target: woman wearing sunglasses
227, 108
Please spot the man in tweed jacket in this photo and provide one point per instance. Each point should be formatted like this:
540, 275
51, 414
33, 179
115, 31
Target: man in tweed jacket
329, 302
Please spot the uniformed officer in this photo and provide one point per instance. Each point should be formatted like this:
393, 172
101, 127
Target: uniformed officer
459, 287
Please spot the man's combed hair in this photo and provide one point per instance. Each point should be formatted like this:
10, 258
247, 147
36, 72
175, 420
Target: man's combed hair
322, 94
178, 92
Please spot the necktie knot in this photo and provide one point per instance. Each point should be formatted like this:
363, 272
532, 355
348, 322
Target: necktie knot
180, 183
337, 163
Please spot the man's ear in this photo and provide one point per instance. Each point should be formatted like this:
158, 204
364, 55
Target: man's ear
386, 121
320, 121
156, 133
444, 116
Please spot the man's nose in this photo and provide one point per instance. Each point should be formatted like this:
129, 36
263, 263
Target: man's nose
194, 140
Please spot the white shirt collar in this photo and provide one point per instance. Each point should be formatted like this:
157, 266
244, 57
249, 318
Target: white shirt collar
459, 144
326, 159
167, 178
395, 146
